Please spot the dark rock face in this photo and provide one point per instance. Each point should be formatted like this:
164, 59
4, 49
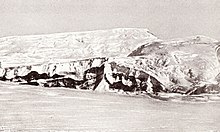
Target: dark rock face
124, 78
53, 77
33, 75
97, 75
130, 79
57, 76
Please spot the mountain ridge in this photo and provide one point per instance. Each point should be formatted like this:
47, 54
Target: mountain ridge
72, 45
173, 65
74, 32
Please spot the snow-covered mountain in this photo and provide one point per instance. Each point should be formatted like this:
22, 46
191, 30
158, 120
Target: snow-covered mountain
34, 49
181, 62
127, 59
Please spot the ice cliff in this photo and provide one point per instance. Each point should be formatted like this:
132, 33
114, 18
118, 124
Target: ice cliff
124, 59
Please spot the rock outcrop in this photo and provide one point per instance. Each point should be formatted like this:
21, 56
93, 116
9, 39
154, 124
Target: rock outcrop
129, 60
99, 74
182, 63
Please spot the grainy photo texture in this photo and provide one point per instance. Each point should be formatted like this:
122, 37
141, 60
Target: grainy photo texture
109, 65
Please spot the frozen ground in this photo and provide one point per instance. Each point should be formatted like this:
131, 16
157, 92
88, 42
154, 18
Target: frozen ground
29, 108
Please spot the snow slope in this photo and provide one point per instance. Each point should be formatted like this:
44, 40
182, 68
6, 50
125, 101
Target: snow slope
181, 62
34, 49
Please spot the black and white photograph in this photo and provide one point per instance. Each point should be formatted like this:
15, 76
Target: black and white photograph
109, 66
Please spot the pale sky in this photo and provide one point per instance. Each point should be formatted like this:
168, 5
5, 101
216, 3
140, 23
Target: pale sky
166, 18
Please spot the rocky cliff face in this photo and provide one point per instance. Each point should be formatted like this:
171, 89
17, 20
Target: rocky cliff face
73, 69
128, 59
100, 74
